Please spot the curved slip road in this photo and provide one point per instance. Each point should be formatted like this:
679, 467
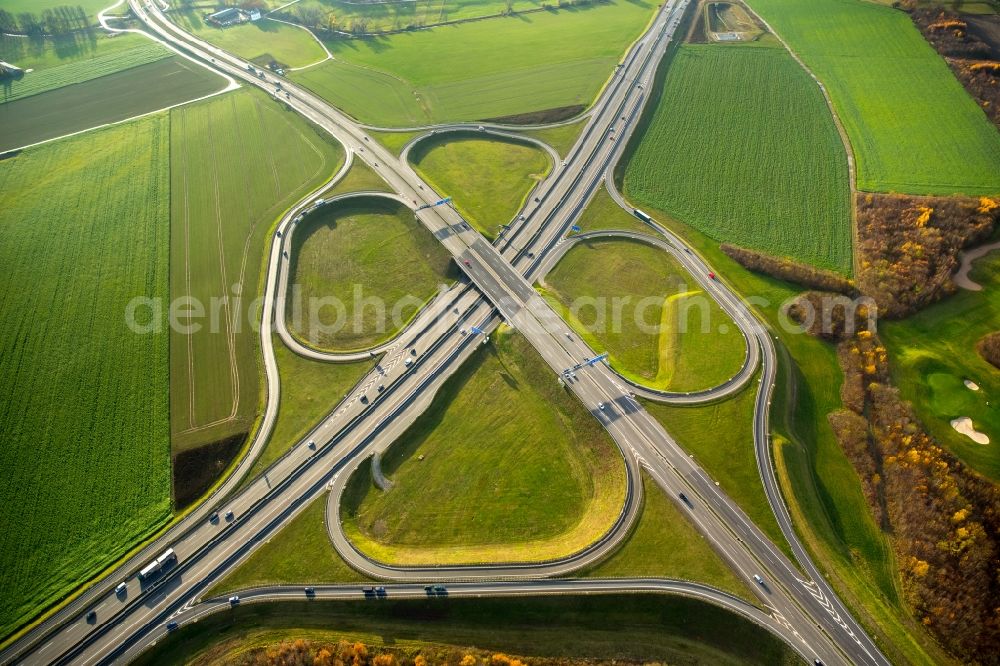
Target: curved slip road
209, 551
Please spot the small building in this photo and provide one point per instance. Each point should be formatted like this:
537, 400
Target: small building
227, 17
255, 15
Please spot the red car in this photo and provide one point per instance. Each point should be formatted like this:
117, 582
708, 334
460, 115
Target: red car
711, 275
466, 262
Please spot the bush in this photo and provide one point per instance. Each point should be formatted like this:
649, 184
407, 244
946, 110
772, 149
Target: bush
989, 348
790, 270
943, 517
908, 246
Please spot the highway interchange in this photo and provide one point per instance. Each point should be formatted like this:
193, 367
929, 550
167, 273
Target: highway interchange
800, 608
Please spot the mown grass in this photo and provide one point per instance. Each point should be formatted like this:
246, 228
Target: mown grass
36, 7
488, 179
604, 213
720, 436
911, 124
664, 544
301, 553
60, 62
400, 15
561, 137
928, 367
84, 229
222, 219
637, 303
505, 465
549, 60
394, 141
259, 40
743, 148
360, 178
360, 249
637, 628
309, 391
108, 99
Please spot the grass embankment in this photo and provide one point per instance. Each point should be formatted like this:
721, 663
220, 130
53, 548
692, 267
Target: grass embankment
742, 147
635, 302
108, 99
260, 41
62, 61
720, 436
488, 179
85, 417
222, 219
359, 250
394, 141
639, 628
561, 137
504, 466
301, 553
360, 178
309, 391
486, 69
911, 124
664, 544
603, 213
929, 367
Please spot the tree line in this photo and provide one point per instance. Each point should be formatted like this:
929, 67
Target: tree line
55, 21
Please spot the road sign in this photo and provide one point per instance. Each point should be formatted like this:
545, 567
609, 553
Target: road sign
442, 201
597, 359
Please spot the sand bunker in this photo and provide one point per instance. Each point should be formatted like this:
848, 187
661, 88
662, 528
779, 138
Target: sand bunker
963, 425
971, 385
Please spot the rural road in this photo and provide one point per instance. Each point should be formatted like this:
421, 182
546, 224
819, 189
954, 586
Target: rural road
502, 276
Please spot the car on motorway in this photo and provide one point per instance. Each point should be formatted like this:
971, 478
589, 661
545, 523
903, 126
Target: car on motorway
121, 589
466, 262
758, 580
602, 406
711, 276
408, 362
310, 591
230, 515
684, 498
92, 617
234, 600
171, 626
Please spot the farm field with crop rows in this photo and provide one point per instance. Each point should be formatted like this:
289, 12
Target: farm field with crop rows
108, 99
526, 475
354, 251
762, 132
666, 333
105, 61
222, 217
912, 125
85, 423
488, 178
550, 60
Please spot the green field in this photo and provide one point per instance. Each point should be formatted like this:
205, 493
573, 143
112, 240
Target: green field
550, 60
68, 60
109, 99
912, 125
309, 391
260, 41
489, 179
222, 219
664, 544
526, 475
635, 302
360, 178
84, 229
741, 147
604, 213
929, 367
650, 629
301, 553
360, 270
36, 7
416, 13
561, 137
